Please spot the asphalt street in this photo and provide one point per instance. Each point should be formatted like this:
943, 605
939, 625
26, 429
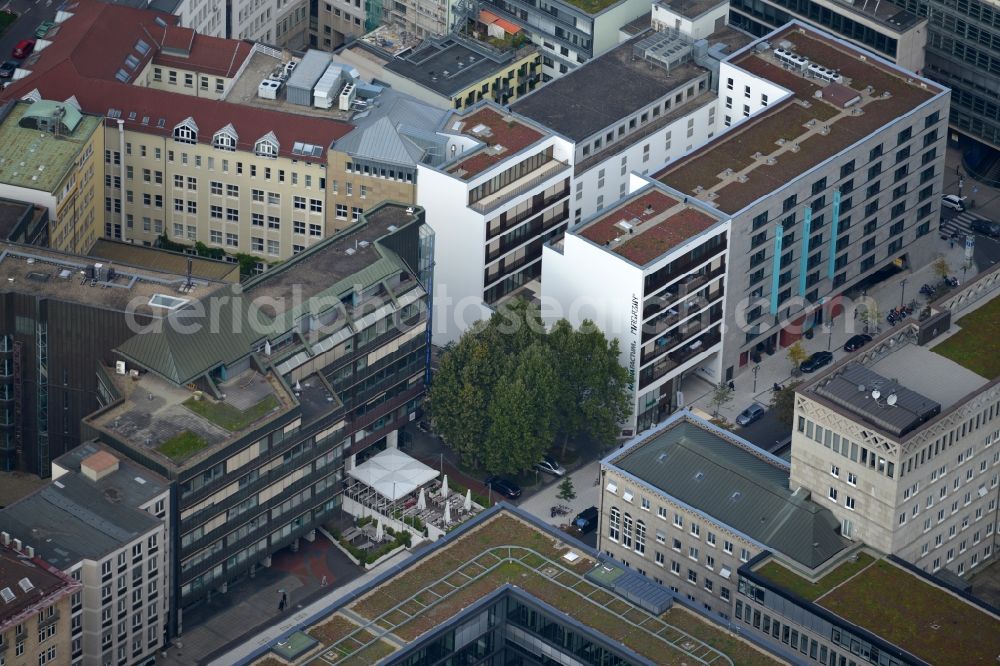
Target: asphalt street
29, 15
987, 250
767, 432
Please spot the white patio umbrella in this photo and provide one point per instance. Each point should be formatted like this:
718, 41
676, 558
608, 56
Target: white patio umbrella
421, 501
468, 500
379, 531
447, 513
444, 487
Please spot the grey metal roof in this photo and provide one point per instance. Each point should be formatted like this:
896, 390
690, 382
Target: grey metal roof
75, 518
198, 337
644, 592
395, 131
697, 464
867, 394
309, 69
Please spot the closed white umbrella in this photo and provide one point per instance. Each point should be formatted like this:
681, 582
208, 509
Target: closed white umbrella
468, 500
444, 487
379, 531
421, 501
447, 513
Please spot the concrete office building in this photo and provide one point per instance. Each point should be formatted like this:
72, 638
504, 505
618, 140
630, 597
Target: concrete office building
663, 85
451, 72
103, 521
832, 170
883, 28
688, 503
283, 23
501, 193
568, 32
60, 316
962, 54
52, 159
655, 281
252, 402
909, 464
851, 616
243, 178
35, 616
336, 22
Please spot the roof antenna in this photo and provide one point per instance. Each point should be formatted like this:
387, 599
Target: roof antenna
188, 284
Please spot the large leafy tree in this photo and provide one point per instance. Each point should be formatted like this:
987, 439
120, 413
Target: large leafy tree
522, 423
591, 399
507, 390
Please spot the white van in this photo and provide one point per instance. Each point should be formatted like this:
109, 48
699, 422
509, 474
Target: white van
953, 201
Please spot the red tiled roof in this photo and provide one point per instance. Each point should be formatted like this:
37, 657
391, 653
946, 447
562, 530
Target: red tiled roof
92, 46
203, 53
512, 134
666, 235
603, 230
178, 38
211, 55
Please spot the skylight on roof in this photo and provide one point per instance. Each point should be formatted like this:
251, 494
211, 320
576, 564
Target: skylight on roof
131, 61
122, 76
131, 115
25, 584
161, 122
7, 595
142, 47
114, 113
166, 302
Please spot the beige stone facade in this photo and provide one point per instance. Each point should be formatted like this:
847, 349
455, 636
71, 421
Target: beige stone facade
236, 201
353, 188
671, 543
928, 496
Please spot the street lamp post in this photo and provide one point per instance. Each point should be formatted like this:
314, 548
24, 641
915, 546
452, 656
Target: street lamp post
755, 369
829, 339
902, 292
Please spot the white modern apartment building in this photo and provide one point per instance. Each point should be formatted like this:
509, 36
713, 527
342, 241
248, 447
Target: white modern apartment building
832, 170
104, 521
655, 280
501, 193
903, 444
636, 108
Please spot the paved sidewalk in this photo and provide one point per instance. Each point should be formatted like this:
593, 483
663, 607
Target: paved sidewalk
241, 652
778, 369
587, 495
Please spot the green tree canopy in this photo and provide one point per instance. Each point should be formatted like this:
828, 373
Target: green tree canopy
506, 391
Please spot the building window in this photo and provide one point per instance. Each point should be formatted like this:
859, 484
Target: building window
614, 524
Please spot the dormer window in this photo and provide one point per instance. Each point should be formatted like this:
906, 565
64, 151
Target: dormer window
225, 138
186, 131
267, 146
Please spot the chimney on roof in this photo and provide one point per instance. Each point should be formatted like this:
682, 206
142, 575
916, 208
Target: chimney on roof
29, 551
17, 545
97, 466
5, 538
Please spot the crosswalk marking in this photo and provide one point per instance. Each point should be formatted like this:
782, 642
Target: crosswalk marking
960, 224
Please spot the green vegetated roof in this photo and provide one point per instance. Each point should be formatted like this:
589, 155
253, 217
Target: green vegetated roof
923, 619
696, 464
498, 549
976, 346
